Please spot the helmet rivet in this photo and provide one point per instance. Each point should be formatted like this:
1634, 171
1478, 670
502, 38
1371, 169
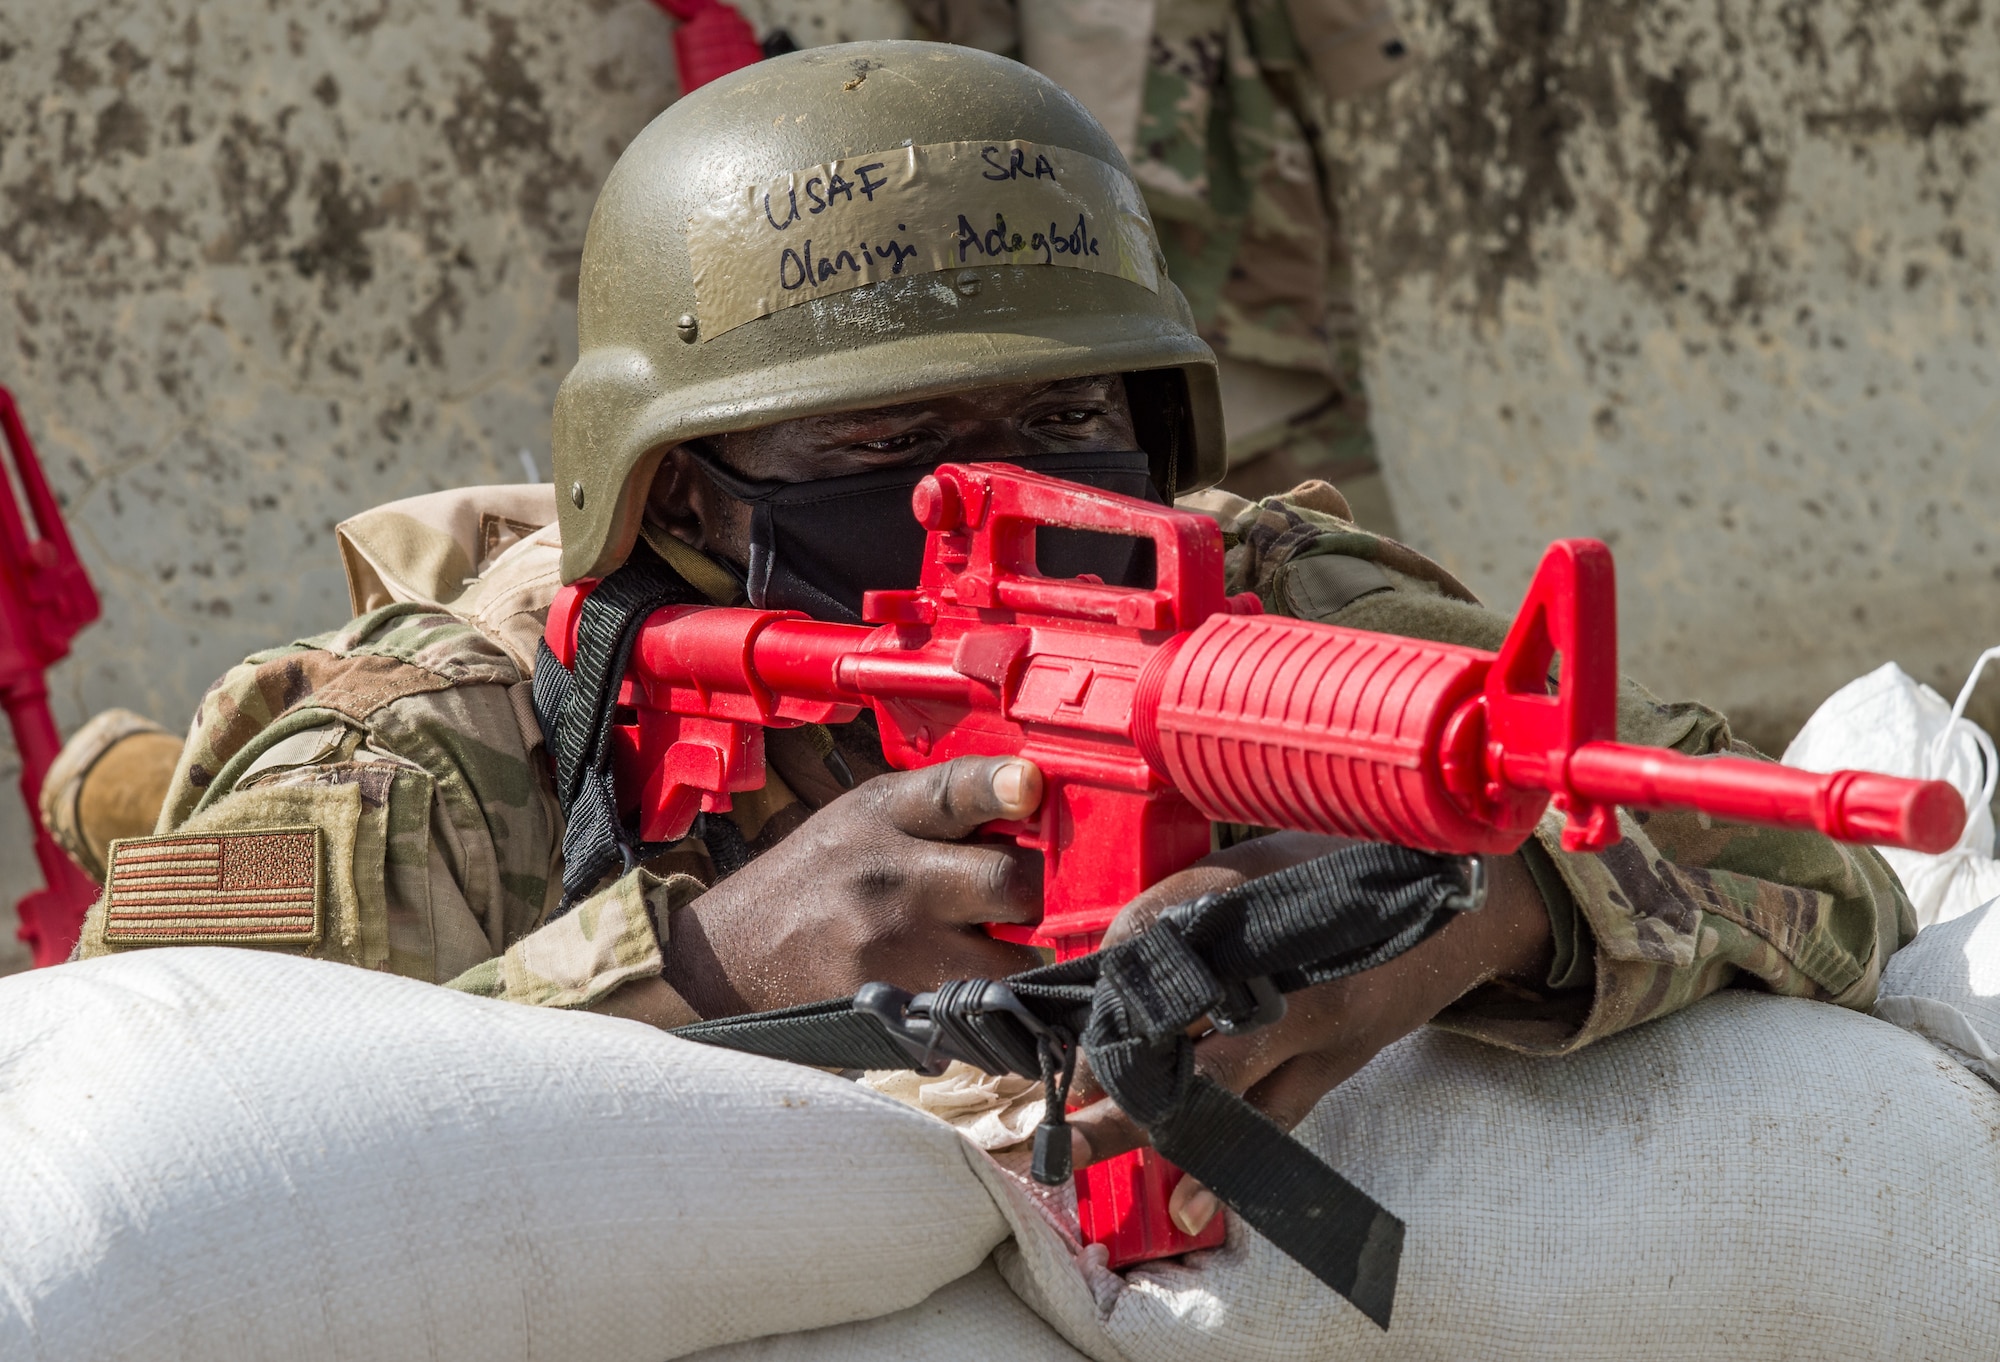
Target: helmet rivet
687, 327
576, 495
967, 282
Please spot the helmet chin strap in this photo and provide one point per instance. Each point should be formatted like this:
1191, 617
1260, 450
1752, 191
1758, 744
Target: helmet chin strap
716, 578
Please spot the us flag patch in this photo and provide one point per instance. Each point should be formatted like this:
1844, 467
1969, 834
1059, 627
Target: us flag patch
226, 889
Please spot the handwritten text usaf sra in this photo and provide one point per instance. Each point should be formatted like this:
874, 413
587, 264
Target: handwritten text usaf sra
979, 234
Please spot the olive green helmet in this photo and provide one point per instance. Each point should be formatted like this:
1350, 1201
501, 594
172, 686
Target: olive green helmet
828, 231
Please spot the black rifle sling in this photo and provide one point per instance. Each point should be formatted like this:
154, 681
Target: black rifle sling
1229, 957
576, 707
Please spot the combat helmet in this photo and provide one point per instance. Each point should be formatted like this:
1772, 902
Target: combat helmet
856, 226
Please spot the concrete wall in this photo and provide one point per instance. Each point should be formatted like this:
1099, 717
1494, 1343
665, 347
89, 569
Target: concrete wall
1712, 280
262, 266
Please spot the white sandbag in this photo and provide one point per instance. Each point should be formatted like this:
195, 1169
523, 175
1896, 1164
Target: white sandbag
1945, 986
1890, 722
209, 1155
1754, 1178
217, 1155
975, 1319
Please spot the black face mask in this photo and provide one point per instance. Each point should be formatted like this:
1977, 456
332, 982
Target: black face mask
816, 546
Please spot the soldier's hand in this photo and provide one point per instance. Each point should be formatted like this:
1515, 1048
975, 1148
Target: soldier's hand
1330, 1031
879, 884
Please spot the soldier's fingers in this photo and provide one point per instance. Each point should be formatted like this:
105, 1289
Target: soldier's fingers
953, 799
967, 883
1343, 1023
1217, 872
967, 955
1295, 1087
1240, 1062
1237, 1063
1136, 916
1106, 1130
1232, 1062
1192, 1206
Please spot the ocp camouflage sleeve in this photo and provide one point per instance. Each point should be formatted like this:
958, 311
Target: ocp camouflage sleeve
1682, 905
402, 746
611, 937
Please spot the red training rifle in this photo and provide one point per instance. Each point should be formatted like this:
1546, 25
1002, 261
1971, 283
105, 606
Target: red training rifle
711, 39
1153, 712
45, 597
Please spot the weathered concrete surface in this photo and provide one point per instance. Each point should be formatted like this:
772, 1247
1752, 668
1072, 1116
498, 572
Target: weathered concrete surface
262, 266
1712, 280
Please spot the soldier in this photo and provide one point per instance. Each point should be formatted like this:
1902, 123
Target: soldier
802, 287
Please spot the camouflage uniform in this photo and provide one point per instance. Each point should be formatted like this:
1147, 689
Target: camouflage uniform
1232, 99
405, 740
1228, 154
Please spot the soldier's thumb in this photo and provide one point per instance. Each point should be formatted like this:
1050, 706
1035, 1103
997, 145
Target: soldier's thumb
954, 799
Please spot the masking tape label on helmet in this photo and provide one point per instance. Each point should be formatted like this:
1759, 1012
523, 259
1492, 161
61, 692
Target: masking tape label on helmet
914, 210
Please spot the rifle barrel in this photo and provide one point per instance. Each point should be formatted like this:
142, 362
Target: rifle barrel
1850, 806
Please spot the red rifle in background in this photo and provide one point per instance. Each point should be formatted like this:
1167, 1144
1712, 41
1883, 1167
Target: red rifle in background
45, 597
1153, 712
711, 39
